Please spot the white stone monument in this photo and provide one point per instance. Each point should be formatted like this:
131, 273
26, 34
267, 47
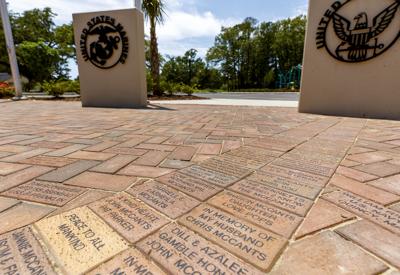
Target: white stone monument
352, 58
111, 58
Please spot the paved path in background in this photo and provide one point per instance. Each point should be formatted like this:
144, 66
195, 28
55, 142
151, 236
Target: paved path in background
242, 99
253, 96
177, 189
231, 102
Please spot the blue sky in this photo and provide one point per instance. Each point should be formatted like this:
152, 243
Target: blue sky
189, 23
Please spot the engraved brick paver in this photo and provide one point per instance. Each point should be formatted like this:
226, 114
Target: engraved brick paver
21, 253
193, 254
204, 190
44, 192
163, 198
264, 215
79, 240
251, 243
130, 261
191, 186
131, 218
366, 209
295, 204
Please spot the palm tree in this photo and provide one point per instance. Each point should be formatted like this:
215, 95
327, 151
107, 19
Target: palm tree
154, 12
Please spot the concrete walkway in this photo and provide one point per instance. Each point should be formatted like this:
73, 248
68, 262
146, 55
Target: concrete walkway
183, 189
232, 102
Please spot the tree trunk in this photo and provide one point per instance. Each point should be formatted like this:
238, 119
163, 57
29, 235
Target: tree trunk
155, 59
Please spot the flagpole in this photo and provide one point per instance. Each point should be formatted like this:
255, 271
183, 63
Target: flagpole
138, 4
11, 49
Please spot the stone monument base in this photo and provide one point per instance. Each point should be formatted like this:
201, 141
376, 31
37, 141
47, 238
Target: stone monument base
351, 59
111, 58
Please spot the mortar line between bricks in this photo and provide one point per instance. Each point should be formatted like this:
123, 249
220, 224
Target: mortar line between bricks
291, 240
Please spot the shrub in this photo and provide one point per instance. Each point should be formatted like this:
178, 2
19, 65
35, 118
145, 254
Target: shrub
183, 88
167, 88
6, 92
58, 88
188, 90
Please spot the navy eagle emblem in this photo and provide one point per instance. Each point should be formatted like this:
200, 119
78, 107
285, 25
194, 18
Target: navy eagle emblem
357, 39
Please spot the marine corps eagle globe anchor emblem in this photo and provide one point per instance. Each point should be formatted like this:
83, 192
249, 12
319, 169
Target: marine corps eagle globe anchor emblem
104, 42
359, 39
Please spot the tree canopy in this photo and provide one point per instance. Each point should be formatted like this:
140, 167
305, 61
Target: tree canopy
250, 55
43, 49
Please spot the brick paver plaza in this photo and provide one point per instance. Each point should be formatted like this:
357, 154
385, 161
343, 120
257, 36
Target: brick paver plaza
196, 190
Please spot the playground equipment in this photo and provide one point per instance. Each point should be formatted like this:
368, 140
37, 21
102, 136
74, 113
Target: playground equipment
290, 79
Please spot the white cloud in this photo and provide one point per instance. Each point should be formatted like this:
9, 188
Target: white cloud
65, 8
184, 28
182, 21
302, 9
180, 25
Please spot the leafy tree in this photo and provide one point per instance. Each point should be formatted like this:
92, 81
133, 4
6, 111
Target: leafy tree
265, 61
37, 61
249, 55
154, 11
191, 70
183, 69
43, 49
226, 55
289, 42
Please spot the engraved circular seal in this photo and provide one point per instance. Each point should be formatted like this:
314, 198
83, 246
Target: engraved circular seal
352, 35
104, 42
